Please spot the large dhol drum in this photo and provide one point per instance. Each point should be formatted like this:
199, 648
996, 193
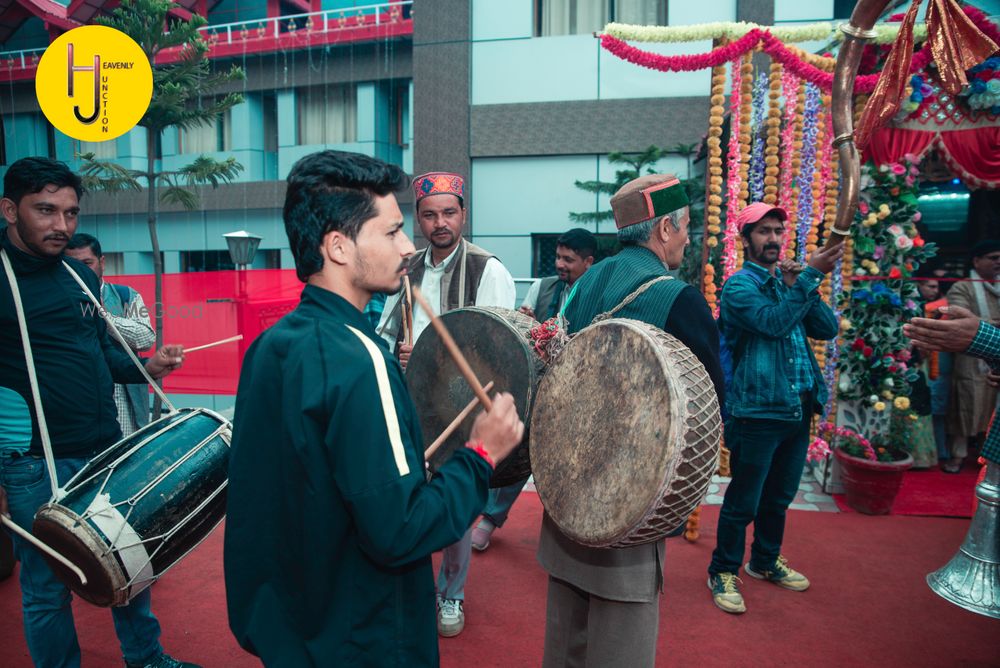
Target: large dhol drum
625, 435
137, 508
495, 342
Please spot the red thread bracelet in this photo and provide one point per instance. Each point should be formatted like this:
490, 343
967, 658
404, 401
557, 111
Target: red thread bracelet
477, 447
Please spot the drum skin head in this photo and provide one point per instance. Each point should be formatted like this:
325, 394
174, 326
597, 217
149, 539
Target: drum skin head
66, 533
495, 343
625, 435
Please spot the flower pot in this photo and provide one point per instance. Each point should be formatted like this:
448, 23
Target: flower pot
871, 487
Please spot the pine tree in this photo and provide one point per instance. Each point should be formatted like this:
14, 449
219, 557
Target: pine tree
635, 163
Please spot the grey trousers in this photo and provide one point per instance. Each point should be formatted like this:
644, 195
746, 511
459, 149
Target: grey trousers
586, 631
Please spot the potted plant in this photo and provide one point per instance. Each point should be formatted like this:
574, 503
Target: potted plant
871, 474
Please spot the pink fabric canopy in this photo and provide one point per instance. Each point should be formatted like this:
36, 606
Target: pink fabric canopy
973, 154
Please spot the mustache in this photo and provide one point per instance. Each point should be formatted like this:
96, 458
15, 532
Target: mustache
56, 237
768, 247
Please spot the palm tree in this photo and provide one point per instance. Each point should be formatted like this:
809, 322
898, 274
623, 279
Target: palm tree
184, 98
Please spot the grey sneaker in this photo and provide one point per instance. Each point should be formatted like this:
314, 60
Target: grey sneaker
481, 535
780, 574
162, 661
726, 594
451, 618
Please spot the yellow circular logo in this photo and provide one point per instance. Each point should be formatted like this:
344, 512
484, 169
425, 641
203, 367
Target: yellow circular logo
94, 83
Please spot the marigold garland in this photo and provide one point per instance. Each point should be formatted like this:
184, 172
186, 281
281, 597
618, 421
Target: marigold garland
723, 54
746, 106
713, 207
732, 171
773, 131
734, 30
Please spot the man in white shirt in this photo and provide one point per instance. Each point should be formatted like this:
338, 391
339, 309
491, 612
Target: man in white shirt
131, 318
451, 273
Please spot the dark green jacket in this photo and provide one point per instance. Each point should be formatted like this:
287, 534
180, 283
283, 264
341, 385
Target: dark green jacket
758, 317
331, 521
76, 360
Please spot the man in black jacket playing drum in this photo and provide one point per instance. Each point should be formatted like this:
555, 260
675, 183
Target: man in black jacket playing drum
76, 361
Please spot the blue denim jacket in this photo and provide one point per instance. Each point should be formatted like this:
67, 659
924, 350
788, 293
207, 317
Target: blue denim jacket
758, 317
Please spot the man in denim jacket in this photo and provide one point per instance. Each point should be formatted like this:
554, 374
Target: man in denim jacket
768, 310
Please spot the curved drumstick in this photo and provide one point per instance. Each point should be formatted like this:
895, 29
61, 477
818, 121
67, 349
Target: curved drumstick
456, 354
408, 311
238, 337
43, 547
450, 429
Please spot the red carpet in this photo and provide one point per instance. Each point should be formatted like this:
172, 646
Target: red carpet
932, 492
868, 606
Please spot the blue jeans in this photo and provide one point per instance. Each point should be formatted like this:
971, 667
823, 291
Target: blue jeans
500, 501
767, 458
455, 568
45, 601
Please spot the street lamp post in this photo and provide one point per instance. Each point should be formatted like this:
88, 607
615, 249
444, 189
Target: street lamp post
242, 249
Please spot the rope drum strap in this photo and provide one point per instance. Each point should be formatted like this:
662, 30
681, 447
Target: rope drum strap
630, 298
29, 360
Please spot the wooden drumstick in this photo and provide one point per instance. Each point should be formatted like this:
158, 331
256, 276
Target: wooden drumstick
408, 311
459, 419
43, 547
238, 337
456, 354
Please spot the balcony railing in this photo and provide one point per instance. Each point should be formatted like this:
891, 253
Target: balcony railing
331, 26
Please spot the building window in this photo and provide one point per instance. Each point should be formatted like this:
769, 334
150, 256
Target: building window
579, 17
214, 136
269, 107
219, 260
114, 264
401, 113
327, 114
102, 150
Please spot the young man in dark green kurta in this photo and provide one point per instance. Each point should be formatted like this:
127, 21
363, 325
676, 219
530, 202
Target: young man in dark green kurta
331, 520
603, 604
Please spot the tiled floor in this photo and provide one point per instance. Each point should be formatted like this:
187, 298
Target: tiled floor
809, 496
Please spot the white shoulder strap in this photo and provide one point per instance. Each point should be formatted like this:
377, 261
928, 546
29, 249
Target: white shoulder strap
118, 337
29, 361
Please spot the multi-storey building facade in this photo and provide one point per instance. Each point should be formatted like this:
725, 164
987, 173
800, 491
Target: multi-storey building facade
517, 95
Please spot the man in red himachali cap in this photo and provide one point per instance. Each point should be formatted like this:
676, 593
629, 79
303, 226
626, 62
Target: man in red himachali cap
768, 309
451, 273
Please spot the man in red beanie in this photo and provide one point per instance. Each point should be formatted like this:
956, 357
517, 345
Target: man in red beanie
768, 310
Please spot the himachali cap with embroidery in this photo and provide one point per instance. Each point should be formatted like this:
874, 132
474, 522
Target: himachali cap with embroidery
438, 183
647, 197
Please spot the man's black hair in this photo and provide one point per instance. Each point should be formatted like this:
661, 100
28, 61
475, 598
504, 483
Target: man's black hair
333, 191
580, 241
28, 176
84, 240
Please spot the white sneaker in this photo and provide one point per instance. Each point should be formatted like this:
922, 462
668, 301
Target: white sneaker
451, 618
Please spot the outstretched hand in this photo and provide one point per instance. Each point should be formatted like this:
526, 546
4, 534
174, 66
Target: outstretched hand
824, 259
952, 335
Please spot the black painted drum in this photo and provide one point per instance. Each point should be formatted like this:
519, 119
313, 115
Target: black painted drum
137, 508
496, 344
